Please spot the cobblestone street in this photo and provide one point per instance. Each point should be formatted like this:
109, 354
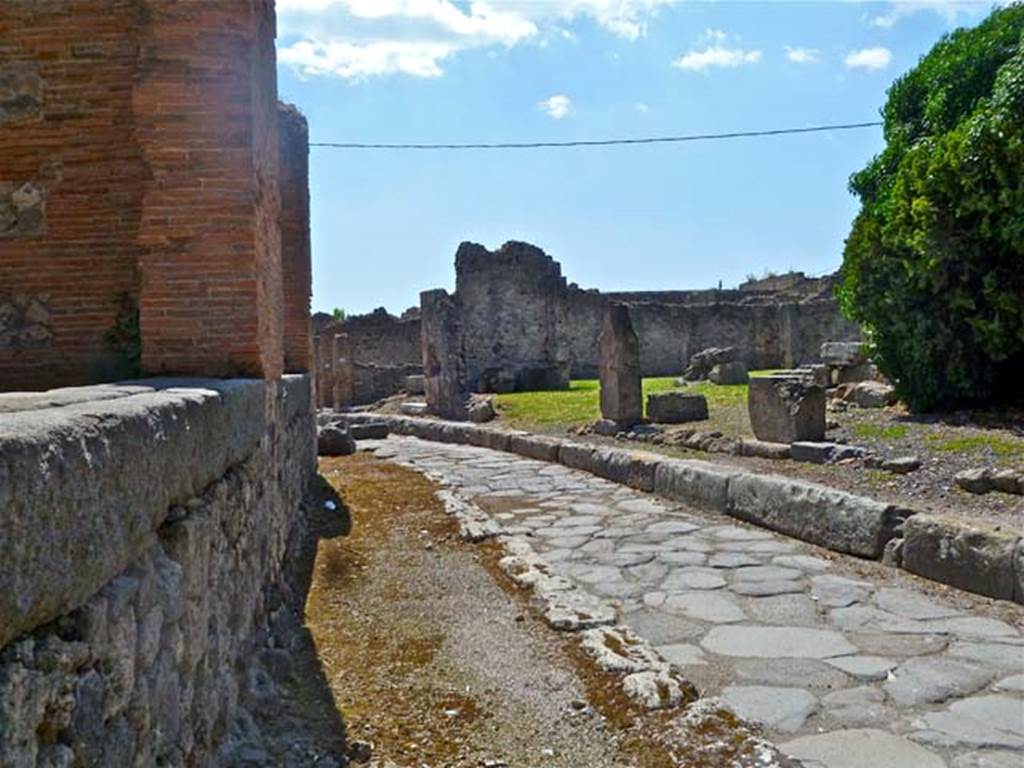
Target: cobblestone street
843, 662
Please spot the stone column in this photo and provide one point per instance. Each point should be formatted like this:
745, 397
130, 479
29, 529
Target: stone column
344, 371
444, 365
621, 388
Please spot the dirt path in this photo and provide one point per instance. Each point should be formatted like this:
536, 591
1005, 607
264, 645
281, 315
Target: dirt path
425, 654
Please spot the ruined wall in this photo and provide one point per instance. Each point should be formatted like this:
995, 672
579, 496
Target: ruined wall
296, 262
140, 588
381, 351
512, 308
139, 199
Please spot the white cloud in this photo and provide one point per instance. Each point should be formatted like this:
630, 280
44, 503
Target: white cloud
558, 106
868, 58
716, 56
641, 107
356, 39
802, 55
949, 10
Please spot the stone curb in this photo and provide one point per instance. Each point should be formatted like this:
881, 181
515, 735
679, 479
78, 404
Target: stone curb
978, 560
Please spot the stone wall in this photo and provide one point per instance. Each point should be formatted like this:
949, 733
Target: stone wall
296, 262
513, 311
139, 586
524, 328
380, 349
139, 191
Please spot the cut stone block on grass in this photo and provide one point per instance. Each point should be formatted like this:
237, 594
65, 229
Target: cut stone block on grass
786, 409
676, 407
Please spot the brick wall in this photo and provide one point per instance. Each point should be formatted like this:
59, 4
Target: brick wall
293, 171
138, 169
70, 187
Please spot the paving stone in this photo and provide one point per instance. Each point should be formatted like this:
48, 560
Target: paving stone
934, 679
692, 578
866, 668
713, 607
661, 628
787, 610
864, 618
884, 644
777, 642
766, 588
735, 533
811, 673
990, 654
568, 542
860, 748
980, 721
781, 709
911, 605
766, 573
803, 562
624, 559
682, 654
837, 592
683, 558
671, 527
857, 707
988, 759
1012, 683
974, 626
648, 573
733, 560
645, 506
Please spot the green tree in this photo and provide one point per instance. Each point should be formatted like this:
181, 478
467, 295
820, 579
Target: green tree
338, 313
934, 265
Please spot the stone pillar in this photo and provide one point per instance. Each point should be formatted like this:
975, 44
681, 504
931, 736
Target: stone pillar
621, 385
344, 371
296, 267
205, 107
444, 366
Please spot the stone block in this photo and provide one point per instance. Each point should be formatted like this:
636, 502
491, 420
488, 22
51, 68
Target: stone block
374, 430
335, 440
950, 551
455, 433
729, 373
785, 409
621, 389
764, 450
813, 453
699, 483
854, 374
870, 394
843, 353
481, 409
413, 409
815, 513
444, 364
631, 468
576, 456
676, 407
534, 446
415, 384
701, 364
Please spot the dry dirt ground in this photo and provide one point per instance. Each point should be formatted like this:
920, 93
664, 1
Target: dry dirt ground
432, 657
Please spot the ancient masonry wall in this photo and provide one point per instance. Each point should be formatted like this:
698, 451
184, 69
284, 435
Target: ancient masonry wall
513, 315
296, 262
139, 200
140, 588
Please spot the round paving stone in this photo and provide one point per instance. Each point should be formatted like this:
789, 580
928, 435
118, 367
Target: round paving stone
866, 668
988, 759
927, 679
811, 673
861, 748
766, 573
1012, 683
682, 558
803, 562
777, 642
668, 527
733, 560
692, 578
766, 588
713, 607
911, 605
837, 592
780, 709
980, 721
682, 654
857, 707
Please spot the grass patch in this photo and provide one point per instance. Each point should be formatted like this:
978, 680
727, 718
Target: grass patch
998, 445
881, 431
581, 403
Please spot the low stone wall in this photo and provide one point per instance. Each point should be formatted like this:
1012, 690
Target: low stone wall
146, 531
984, 561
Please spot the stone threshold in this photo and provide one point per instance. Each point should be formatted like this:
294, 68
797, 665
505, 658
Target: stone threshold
976, 559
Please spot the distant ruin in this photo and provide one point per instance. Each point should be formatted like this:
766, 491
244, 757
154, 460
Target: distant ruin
523, 327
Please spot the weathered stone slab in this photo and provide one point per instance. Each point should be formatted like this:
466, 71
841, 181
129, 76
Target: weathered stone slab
848, 749
734, 372
786, 409
377, 430
815, 513
764, 450
777, 642
976, 559
632, 468
621, 391
534, 447
676, 407
843, 353
700, 483
83, 487
576, 456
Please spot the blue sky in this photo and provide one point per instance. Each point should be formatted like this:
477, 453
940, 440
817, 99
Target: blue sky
386, 223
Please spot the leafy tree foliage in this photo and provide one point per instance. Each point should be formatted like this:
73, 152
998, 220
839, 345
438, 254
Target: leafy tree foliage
934, 264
